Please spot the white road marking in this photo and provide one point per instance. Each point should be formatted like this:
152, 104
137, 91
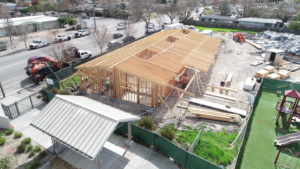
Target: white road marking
19, 89
12, 79
11, 85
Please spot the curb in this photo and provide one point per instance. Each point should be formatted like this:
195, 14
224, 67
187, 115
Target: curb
13, 52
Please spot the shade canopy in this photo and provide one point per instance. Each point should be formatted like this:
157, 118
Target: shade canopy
292, 94
80, 123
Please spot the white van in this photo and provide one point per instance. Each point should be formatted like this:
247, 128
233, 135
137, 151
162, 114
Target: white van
174, 26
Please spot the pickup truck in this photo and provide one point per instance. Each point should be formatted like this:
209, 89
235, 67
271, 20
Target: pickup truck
38, 44
60, 38
73, 52
81, 33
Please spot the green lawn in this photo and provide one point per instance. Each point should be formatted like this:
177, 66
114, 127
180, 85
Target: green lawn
223, 29
260, 151
74, 81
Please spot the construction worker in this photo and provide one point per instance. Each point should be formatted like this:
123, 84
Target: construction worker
107, 84
184, 80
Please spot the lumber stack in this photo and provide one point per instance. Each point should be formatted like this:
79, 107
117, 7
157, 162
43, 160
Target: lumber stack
214, 115
220, 96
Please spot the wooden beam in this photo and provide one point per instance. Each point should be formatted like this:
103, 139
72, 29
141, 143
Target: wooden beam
181, 90
187, 88
166, 104
223, 88
220, 96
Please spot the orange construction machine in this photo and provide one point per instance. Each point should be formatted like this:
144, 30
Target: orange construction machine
239, 37
39, 69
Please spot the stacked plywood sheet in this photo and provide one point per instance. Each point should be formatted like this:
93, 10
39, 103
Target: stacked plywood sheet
214, 115
274, 76
283, 74
270, 69
261, 73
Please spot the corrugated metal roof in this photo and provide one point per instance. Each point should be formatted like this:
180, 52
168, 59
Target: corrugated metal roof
214, 16
80, 123
260, 20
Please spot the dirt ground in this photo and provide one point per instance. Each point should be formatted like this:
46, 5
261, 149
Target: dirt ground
58, 163
20, 161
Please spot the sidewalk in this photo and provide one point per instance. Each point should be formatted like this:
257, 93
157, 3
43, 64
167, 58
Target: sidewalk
113, 155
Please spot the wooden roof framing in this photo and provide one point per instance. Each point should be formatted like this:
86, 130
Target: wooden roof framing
173, 49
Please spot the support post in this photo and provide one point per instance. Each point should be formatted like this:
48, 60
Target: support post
2, 89
278, 153
17, 108
31, 101
97, 160
129, 141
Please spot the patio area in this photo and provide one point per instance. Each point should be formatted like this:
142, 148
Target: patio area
260, 150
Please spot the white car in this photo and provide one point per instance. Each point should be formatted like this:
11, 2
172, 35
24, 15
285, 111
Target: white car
121, 27
38, 44
60, 38
82, 33
257, 63
150, 30
84, 54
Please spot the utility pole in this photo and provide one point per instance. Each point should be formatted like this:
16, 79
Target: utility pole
94, 14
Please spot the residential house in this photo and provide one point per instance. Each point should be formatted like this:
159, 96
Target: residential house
218, 18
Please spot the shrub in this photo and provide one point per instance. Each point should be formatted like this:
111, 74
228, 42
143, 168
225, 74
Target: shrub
190, 128
37, 148
39, 96
31, 153
1, 134
26, 141
29, 148
34, 165
9, 131
21, 148
2, 141
168, 133
42, 154
18, 135
5, 162
147, 122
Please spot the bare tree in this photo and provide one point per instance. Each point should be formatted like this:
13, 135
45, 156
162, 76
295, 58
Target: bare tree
80, 20
57, 50
245, 8
285, 11
186, 8
53, 33
172, 11
160, 19
142, 10
100, 36
23, 34
7, 23
130, 29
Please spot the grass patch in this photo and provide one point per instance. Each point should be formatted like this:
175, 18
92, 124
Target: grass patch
211, 147
31, 153
200, 28
42, 154
74, 81
34, 165
5, 162
58, 91
37, 148
29, 148
26, 141
9, 131
2, 141
18, 135
21, 148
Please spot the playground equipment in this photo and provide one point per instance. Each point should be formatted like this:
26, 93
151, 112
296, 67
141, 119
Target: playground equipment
288, 164
288, 139
289, 107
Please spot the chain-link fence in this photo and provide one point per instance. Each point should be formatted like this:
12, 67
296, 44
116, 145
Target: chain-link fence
192, 148
19, 107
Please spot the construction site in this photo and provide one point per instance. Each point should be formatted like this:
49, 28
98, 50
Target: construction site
189, 81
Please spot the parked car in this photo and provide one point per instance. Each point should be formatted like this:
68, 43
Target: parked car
166, 23
81, 33
60, 38
37, 58
38, 44
3, 46
149, 25
113, 44
84, 54
150, 30
122, 23
117, 35
121, 27
128, 39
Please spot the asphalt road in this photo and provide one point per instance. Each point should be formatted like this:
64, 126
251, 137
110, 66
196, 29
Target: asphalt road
12, 73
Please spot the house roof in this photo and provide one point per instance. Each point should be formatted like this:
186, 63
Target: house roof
260, 20
80, 123
214, 16
168, 58
29, 19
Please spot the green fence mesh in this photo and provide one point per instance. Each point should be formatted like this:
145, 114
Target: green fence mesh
124, 128
48, 95
143, 135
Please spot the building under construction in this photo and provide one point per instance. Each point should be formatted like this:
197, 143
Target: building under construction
144, 71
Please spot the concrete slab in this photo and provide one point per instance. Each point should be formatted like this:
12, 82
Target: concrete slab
66, 154
104, 157
82, 163
136, 162
148, 165
119, 165
74, 158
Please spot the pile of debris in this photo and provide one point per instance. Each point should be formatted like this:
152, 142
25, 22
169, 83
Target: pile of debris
285, 41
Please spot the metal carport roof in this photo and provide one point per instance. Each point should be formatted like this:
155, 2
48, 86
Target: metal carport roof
80, 123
